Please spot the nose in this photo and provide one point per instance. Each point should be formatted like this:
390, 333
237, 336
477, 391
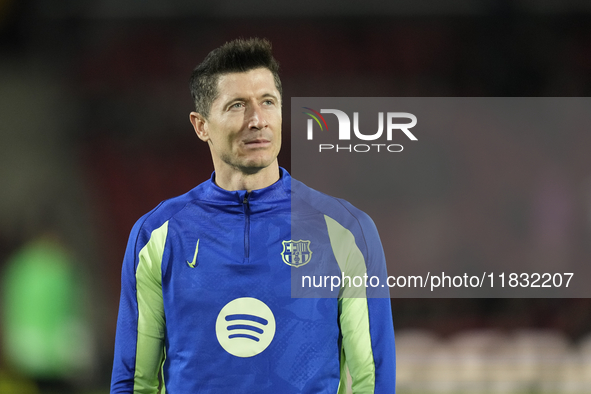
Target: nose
256, 118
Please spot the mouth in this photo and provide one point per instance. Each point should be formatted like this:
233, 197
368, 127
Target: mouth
257, 143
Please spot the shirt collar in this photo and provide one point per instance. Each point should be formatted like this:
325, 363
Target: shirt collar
277, 191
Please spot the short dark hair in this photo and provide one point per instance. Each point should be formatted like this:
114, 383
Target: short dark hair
239, 55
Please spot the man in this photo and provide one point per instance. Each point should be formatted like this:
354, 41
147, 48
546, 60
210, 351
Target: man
206, 302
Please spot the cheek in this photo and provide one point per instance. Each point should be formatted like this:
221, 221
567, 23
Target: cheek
276, 120
223, 134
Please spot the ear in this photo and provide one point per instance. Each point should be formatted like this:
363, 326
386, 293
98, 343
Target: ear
200, 125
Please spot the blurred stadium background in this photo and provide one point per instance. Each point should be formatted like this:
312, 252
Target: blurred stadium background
94, 132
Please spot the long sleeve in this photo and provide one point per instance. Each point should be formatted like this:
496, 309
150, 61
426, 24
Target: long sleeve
368, 344
365, 315
139, 343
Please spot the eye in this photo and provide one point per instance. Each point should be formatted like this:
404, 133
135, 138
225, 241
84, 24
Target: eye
237, 105
269, 102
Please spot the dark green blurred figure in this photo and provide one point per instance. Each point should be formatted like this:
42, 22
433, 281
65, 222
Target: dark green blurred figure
45, 338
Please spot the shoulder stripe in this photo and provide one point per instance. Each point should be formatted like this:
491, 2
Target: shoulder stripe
348, 256
150, 329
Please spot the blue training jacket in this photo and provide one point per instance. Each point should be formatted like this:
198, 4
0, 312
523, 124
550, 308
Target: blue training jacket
235, 292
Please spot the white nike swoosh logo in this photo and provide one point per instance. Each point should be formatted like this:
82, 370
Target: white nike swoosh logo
192, 264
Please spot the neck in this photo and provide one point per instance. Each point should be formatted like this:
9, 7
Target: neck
234, 179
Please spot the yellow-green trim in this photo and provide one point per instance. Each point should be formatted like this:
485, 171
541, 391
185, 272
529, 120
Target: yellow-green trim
356, 352
150, 330
348, 256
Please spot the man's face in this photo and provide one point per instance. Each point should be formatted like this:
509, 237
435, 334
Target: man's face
243, 128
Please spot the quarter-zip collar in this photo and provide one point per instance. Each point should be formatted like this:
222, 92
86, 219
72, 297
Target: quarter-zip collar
245, 203
276, 192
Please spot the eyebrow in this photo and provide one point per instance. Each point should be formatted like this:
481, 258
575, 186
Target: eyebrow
270, 95
228, 102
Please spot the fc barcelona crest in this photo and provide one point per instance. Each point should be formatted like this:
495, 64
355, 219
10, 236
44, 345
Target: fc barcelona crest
296, 253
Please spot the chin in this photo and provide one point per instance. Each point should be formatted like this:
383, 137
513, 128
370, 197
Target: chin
259, 161
255, 166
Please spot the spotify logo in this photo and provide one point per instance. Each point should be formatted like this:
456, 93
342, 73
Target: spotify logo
245, 327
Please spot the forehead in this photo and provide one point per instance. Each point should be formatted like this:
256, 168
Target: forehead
256, 82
